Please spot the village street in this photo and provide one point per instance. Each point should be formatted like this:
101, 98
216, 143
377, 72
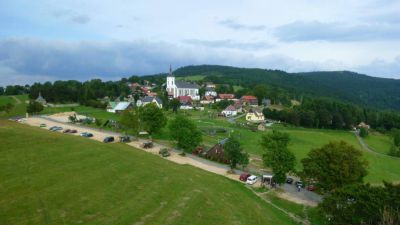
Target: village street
290, 191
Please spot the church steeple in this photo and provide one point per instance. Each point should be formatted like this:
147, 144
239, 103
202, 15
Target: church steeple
170, 71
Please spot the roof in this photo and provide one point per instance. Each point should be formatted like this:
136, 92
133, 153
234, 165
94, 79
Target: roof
230, 108
210, 89
150, 99
112, 104
226, 96
253, 110
185, 98
122, 106
184, 84
208, 97
248, 97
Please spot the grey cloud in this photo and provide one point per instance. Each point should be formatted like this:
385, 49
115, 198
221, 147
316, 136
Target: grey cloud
81, 19
259, 45
382, 68
232, 24
336, 32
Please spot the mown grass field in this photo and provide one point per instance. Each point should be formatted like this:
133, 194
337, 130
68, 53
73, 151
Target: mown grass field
52, 178
19, 107
379, 142
302, 140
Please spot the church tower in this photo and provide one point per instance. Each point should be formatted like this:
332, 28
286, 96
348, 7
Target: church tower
170, 80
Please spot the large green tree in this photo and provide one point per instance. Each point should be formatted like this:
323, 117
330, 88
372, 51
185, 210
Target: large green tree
152, 118
277, 155
185, 133
34, 107
260, 91
234, 153
175, 104
362, 204
129, 121
334, 165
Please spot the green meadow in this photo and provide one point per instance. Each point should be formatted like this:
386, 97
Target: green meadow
53, 178
19, 108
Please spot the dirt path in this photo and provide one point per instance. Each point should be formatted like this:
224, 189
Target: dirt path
294, 217
367, 148
17, 101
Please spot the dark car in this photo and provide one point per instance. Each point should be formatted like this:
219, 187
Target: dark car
86, 134
164, 152
67, 131
244, 176
124, 139
289, 180
108, 139
148, 145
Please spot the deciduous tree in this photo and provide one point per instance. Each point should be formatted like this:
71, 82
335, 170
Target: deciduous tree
185, 133
234, 153
152, 117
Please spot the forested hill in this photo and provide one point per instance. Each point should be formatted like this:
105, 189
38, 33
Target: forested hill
342, 85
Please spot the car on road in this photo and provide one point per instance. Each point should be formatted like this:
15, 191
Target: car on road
86, 134
108, 139
311, 187
164, 152
244, 176
42, 125
289, 180
55, 128
299, 183
251, 179
70, 131
148, 144
125, 139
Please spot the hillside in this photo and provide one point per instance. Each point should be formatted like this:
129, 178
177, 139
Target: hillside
342, 85
53, 178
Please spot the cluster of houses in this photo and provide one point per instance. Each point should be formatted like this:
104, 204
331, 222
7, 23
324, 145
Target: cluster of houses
189, 97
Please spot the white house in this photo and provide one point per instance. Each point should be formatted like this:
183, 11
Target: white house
255, 116
230, 111
149, 99
210, 92
176, 88
122, 106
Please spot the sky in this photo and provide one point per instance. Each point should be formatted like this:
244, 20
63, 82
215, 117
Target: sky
47, 40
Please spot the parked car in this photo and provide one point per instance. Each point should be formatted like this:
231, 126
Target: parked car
299, 183
311, 187
251, 179
164, 152
148, 144
55, 128
73, 131
108, 139
86, 134
289, 180
42, 125
67, 131
124, 139
244, 176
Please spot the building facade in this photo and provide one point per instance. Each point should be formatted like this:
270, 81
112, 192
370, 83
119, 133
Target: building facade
176, 88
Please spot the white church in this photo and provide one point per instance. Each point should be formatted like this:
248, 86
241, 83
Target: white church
176, 88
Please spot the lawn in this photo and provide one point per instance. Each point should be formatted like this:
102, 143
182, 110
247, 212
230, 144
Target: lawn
302, 140
52, 178
191, 78
379, 142
19, 108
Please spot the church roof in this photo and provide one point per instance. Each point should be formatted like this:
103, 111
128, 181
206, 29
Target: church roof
184, 84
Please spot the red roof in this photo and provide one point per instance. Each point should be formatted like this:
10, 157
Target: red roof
248, 97
145, 90
184, 98
226, 96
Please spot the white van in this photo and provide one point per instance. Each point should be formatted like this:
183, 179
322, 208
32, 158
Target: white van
251, 180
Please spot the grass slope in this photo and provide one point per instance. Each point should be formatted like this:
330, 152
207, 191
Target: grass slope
379, 142
52, 178
19, 108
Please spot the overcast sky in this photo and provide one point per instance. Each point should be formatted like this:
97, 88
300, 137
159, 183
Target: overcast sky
45, 40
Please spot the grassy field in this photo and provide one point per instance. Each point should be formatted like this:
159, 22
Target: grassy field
52, 178
379, 142
19, 107
302, 141
191, 78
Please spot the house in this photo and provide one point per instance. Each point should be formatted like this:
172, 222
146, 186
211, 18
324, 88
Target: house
184, 99
238, 106
210, 92
177, 88
217, 153
122, 106
226, 97
249, 100
208, 99
210, 85
229, 111
363, 125
40, 99
255, 116
111, 106
148, 99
